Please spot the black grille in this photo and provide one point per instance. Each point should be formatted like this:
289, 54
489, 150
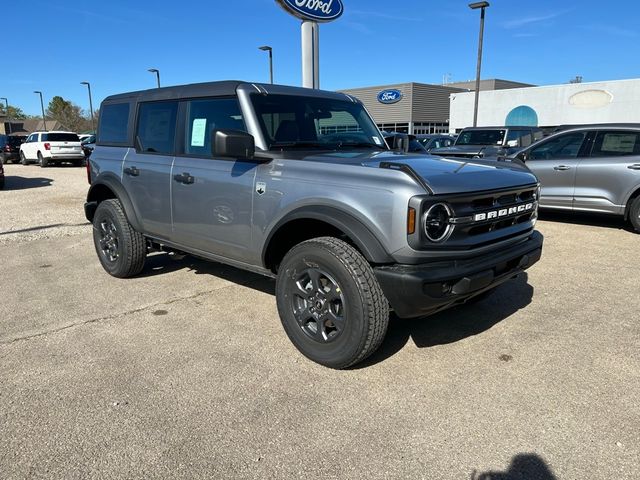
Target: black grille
471, 232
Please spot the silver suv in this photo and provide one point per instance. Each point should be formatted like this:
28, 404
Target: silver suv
590, 169
299, 185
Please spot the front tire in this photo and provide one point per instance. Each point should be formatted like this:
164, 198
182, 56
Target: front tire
23, 159
330, 303
121, 249
634, 214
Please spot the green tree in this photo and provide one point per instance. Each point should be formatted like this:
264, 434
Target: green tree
68, 114
14, 113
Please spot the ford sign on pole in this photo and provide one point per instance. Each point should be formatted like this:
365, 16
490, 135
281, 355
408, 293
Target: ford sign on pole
313, 10
390, 96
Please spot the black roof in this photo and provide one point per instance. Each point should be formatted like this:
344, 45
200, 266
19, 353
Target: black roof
227, 87
215, 89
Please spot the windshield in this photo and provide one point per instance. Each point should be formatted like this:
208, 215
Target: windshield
289, 121
481, 137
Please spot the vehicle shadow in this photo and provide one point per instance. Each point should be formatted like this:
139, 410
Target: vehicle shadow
524, 466
455, 324
14, 182
588, 219
163, 263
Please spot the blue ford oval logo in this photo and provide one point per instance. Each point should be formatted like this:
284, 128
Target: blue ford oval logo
390, 96
315, 10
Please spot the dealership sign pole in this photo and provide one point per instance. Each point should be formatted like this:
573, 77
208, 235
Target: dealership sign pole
312, 12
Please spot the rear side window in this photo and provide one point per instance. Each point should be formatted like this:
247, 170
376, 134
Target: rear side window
616, 144
114, 123
204, 116
156, 131
60, 137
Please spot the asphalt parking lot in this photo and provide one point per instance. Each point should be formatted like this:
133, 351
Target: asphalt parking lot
185, 371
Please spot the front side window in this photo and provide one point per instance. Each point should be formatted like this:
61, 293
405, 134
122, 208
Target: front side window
156, 130
481, 137
205, 116
518, 138
563, 146
114, 123
289, 121
616, 144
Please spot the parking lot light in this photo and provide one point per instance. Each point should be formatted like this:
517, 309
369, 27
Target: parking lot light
6, 111
267, 48
44, 120
93, 125
157, 72
481, 6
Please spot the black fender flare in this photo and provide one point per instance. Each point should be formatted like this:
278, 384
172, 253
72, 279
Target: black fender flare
359, 233
113, 183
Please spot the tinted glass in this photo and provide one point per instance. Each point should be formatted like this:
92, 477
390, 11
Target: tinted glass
16, 141
157, 127
294, 121
564, 146
204, 116
616, 144
114, 123
481, 137
60, 137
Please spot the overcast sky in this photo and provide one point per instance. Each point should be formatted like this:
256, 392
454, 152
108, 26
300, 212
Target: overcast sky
54, 45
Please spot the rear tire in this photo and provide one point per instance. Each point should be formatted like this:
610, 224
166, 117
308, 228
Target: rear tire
44, 162
330, 303
634, 214
121, 249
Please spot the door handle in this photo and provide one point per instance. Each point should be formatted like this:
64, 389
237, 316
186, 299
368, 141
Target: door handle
185, 178
562, 167
635, 166
132, 171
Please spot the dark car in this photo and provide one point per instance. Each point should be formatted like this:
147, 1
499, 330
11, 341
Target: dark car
1, 175
403, 142
10, 147
88, 144
435, 140
478, 142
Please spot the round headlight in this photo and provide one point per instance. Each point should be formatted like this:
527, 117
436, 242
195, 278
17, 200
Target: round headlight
437, 226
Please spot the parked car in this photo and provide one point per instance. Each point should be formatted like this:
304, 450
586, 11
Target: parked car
88, 144
590, 169
298, 184
403, 142
477, 142
46, 148
435, 140
10, 147
84, 136
1, 175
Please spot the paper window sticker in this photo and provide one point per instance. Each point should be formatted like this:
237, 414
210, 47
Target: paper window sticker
198, 132
377, 140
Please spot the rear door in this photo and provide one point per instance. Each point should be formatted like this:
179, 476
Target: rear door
610, 173
147, 168
212, 197
555, 162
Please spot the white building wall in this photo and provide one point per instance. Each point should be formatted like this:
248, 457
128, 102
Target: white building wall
615, 101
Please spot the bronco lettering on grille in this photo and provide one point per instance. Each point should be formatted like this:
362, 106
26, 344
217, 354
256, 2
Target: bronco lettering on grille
503, 212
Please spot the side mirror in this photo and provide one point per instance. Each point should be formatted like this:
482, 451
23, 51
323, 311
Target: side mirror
232, 143
522, 156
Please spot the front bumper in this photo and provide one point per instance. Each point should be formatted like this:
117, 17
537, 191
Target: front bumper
418, 290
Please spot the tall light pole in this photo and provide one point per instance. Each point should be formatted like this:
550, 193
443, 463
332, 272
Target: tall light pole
481, 6
93, 125
6, 110
44, 120
157, 72
267, 48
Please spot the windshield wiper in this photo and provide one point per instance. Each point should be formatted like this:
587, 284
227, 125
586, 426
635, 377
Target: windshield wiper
359, 145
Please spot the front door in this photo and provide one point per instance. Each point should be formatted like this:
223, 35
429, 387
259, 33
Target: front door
555, 162
212, 197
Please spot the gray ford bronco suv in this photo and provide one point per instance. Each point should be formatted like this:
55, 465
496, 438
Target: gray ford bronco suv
299, 185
